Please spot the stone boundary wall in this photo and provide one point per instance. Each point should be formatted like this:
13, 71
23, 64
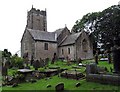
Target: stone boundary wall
104, 79
92, 75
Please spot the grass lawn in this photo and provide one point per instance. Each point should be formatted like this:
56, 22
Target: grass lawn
69, 84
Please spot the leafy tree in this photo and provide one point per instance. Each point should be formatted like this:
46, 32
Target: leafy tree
86, 23
108, 24
102, 26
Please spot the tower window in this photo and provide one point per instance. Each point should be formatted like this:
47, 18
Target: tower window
46, 46
68, 50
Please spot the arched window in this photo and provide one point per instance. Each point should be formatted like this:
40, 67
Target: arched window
85, 45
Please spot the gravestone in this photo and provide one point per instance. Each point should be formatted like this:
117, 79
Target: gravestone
77, 84
36, 64
41, 63
54, 58
46, 61
91, 69
25, 57
96, 57
32, 60
27, 73
116, 55
59, 87
4, 71
72, 74
108, 52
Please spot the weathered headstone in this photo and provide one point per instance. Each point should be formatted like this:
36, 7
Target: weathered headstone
91, 69
108, 52
96, 57
41, 63
36, 64
72, 74
32, 60
46, 61
116, 56
54, 58
59, 87
77, 84
25, 57
4, 71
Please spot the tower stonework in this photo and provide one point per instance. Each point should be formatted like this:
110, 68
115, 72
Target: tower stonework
37, 19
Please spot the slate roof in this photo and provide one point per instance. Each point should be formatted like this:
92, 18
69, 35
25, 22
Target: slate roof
42, 35
58, 31
70, 39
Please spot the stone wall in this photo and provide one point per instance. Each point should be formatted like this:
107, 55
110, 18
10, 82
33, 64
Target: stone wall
65, 52
104, 79
80, 48
41, 53
27, 44
92, 75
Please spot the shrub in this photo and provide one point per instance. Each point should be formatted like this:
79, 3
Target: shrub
17, 61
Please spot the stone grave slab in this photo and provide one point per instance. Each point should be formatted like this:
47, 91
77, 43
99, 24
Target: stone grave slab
72, 74
50, 72
27, 73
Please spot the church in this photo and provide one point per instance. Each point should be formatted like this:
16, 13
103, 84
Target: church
38, 43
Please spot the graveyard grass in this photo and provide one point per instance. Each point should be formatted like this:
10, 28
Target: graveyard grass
69, 84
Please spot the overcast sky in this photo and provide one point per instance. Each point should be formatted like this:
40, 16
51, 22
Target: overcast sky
13, 16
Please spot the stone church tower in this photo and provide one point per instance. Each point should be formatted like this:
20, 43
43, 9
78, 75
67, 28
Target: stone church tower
37, 19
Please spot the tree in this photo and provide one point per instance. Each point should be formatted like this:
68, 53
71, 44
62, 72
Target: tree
102, 26
86, 23
108, 24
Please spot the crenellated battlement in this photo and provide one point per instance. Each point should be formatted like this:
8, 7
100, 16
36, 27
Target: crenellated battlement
37, 19
37, 11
